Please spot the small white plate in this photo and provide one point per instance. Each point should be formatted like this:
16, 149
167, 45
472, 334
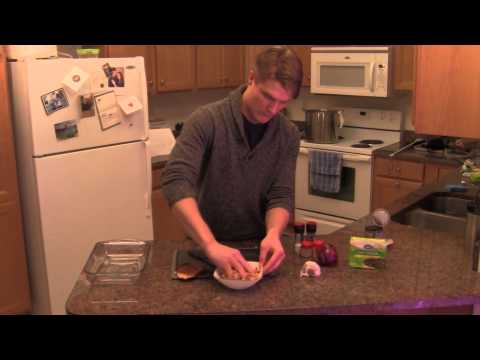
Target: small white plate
239, 284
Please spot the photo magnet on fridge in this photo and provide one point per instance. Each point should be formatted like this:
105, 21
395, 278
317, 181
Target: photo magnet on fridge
66, 130
117, 78
54, 100
129, 104
75, 79
86, 105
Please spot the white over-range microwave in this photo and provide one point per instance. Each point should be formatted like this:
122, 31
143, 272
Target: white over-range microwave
359, 71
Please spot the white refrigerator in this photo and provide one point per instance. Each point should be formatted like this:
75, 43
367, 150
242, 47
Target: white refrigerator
83, 161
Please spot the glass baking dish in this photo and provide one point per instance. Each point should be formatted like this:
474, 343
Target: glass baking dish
117, 261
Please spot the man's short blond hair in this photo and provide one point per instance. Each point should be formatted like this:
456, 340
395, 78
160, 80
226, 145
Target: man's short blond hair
281, 64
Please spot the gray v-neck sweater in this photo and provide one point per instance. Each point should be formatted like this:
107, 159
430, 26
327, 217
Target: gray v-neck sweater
234, 185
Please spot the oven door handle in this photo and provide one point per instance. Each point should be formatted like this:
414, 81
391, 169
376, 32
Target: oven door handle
346, 157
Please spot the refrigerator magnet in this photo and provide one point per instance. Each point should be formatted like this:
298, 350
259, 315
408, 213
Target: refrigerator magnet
86, 105
107, 110
116, 78
75, 79
98, 82
66, 130
54, 100
129, 104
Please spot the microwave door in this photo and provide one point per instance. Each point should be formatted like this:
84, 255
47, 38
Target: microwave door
344, 78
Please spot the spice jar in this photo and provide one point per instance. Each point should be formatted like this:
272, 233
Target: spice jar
299, 230
307, 250
311, 230
374, 231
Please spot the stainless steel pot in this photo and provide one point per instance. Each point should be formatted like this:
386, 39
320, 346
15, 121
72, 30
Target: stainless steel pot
321, 126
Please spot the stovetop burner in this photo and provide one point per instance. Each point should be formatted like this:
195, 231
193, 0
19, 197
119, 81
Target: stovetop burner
371, 142
361, 145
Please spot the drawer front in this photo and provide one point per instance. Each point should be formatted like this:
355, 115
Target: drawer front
383, 167
408, 170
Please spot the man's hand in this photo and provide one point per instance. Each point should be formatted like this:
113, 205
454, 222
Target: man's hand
272, 246
227, 259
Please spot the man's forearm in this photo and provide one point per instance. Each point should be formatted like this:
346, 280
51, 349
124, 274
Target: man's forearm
276, 220
186, 210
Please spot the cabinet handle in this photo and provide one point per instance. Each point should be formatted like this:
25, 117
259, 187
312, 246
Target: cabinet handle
162, 82
397, 183
150, 82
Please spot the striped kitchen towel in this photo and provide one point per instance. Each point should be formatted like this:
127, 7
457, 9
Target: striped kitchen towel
325, 171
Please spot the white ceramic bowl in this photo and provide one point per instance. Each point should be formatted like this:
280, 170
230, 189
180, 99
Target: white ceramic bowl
239, 284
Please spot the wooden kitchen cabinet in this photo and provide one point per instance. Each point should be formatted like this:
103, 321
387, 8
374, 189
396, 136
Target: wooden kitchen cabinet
447, 90
148, 53
14, 285
404, 67
165, 225
401, 169
303, 52
219, 66
434, 172
175, 67
388, 190
394, 179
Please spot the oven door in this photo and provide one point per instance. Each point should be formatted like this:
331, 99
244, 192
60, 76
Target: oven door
348, 74
353, 199
325, 224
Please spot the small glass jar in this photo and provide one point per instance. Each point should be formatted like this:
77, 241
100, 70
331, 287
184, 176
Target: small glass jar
307, 250
311, 230
374, 231
299, 230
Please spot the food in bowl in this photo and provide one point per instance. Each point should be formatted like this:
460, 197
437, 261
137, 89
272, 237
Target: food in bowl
235, 275
235, 281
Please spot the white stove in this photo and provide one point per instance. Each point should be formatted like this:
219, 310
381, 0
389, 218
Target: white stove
362, 125
333, 211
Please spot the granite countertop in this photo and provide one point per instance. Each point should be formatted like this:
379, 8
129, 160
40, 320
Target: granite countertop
413, 155
423, 269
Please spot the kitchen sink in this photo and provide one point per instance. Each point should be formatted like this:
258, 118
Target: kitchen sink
443, 212
445, 203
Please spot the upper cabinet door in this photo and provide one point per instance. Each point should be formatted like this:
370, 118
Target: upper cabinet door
303, 52
209, 66
404, 67
447, 90
148, 53
219, 66
233, 65
175, 67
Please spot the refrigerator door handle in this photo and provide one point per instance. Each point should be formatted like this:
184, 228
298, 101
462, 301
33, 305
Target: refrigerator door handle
148, 193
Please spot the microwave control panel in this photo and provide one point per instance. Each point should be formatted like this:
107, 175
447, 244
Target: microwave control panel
380, 78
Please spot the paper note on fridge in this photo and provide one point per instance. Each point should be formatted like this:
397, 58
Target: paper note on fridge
107, 110
129, 104
161, 141
75, 79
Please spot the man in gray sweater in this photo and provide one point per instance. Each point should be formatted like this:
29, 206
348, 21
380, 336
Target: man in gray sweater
231, 174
